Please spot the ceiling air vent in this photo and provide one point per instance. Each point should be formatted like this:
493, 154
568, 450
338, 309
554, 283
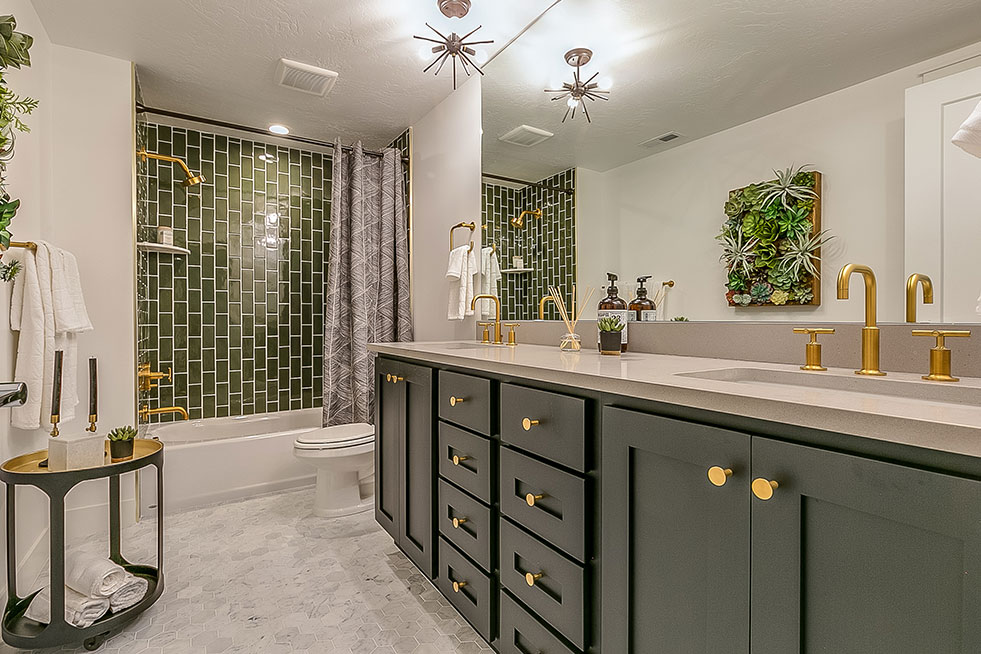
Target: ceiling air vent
306, 78
526, 136
663, 139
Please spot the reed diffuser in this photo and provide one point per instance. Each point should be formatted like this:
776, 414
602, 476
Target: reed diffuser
571, 342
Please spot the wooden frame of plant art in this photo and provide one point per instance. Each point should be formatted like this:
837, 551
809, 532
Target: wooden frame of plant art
771, 241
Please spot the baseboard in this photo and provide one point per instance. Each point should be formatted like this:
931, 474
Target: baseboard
173, 505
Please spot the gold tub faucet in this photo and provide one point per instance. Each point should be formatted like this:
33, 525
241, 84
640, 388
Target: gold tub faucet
146, 412
870, 333
915, 280
149, 379
497, 315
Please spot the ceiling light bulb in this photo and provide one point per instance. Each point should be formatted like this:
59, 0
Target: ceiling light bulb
282, 130
573, 102
481, 57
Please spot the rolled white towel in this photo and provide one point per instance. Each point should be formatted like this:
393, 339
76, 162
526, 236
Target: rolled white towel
80, 611
968, 138
130, 593
93, 575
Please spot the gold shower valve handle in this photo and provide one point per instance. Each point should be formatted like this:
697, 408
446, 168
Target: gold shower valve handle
763, 488
454, 400
940, 355
719, 475
528, 423
531, 498
457, 459
813, 348
531, 578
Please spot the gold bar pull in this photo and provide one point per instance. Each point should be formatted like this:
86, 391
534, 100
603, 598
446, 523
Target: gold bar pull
458, 521
528, 423
763, 488
813, 348
940, 355
456, 400
719, 476
531, 498
457, 459
458, 586
530, 578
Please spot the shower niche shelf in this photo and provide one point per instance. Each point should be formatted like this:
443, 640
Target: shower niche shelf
517, 271
161, 248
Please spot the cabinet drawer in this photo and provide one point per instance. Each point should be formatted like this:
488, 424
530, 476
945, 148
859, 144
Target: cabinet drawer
465, 459
548, 424
466, 523
558, 595
465, 401
546, 500
467, 588
522, 633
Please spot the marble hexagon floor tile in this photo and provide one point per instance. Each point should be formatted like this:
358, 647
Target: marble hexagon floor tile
265, 576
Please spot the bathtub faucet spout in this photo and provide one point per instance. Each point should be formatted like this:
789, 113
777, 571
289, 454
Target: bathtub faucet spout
146, 412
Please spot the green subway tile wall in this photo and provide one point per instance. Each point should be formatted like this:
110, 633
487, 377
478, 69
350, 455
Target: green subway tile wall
240, 320
547, 245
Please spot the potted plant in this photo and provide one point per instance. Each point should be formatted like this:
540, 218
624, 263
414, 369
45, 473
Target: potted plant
610, 329
121, 443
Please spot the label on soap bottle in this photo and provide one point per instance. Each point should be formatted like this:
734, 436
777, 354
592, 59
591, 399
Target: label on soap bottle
649, 315
623, 315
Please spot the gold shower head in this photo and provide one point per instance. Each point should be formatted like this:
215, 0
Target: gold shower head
194, 181
519, 221
191, 178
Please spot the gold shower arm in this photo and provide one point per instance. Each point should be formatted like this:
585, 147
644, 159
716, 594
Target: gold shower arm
191, 179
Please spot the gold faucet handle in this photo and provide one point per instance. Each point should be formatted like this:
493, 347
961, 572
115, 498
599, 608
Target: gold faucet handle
512, 334
486, 336
813, 348
940, 354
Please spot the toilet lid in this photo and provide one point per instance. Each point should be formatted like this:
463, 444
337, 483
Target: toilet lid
337, 436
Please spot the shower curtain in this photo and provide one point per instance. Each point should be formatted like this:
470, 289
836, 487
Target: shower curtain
367, 278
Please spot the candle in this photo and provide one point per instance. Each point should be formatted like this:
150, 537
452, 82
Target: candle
93, 388
56, 387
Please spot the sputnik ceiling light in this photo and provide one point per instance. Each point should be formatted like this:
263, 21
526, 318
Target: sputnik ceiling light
453, 46
578, 91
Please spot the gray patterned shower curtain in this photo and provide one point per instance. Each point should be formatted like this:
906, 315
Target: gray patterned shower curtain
367, 278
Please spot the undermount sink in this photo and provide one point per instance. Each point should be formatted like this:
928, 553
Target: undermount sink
901, 388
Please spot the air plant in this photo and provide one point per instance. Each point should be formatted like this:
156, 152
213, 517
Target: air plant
785, 188
799, 253
737, 253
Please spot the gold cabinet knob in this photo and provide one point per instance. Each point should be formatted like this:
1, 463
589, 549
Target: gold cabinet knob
530, 578
388, 378
458, 586
531, 498
719, 476
457, 459
763, 488
528, 423
458, 521
395, 379
454, 400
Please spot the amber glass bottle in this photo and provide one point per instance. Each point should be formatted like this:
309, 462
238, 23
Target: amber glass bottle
642, 308
614, 305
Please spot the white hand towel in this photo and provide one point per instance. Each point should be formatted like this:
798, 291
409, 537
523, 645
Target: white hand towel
472, 269
93, 575
80, 611
968, 138
129, 594
71, 316
456, 271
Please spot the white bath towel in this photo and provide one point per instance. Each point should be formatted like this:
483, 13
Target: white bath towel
80, 610
490, 280
460, 270
93, 575
968, 138
71, 316
129, 594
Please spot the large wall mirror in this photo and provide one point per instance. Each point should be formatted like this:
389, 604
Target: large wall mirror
697, 117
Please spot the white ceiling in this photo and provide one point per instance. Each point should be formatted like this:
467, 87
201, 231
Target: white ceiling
217, 58
698, 67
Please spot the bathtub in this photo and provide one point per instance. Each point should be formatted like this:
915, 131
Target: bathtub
221, 459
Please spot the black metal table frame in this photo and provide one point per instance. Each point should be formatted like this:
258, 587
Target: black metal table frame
20, 631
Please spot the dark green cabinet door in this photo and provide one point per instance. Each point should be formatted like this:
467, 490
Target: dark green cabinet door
675, 575
388, 437
857, 556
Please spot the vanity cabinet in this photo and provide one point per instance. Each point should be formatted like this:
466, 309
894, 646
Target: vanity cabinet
405, 440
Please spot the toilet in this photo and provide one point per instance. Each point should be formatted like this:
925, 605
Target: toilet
344, 458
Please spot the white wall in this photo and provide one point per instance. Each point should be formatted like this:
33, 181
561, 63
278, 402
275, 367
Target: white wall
668, 207
446, 160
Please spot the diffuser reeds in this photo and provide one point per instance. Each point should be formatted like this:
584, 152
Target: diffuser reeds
570, 341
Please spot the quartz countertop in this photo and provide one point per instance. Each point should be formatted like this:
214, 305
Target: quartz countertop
934, 425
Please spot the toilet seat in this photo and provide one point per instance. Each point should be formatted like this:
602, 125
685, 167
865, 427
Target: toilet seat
337, 437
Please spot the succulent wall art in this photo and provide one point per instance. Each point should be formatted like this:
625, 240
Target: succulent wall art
771, 241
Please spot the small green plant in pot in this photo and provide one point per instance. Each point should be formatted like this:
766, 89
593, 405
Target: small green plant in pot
121, 443
610, 329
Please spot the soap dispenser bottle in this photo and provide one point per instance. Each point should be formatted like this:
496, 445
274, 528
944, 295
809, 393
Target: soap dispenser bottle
642, 308
614, 305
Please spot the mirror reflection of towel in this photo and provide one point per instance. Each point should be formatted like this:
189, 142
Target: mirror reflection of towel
460, 271
968, 138
490, 280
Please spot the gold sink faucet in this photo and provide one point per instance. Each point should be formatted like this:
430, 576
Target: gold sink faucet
541, 306
146, 412
870, 334
497, 315
915, 280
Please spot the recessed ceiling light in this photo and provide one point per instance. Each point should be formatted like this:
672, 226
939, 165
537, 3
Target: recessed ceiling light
282, 130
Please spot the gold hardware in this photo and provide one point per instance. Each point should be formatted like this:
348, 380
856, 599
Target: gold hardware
458, 521
763, 488
457, 460
458, 585
528, 423
915, 280
719, 476
497, 314
530, 499
485, 338
530, 578
541, 305
150, 380
146, 412
191, 178
92, 420
395, 379
27, 245
669, 283
456, 400
520, 220
512, 334
388, 378
870, 334
55, 419
940, 355
813, 348
471, 226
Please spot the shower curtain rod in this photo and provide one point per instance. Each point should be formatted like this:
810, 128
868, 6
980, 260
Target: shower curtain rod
143, 109
544, 187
